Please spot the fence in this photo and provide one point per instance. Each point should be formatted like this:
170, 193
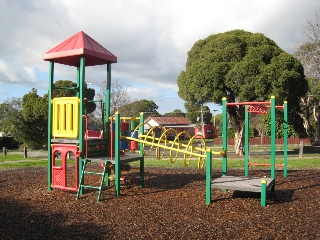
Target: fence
266, 141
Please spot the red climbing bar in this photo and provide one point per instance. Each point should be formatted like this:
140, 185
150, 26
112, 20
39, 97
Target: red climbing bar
246, 103
264, 164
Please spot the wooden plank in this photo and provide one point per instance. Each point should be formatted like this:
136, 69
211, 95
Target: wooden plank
250, 184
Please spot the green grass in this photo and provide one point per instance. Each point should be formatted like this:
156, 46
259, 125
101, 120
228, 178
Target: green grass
14, 157
14, 164
293, 163
17, 160
310, 161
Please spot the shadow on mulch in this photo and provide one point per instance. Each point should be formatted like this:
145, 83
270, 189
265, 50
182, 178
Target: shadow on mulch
172, 181
277, 197
42, 225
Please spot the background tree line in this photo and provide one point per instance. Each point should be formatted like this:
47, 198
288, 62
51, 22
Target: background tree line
238, 65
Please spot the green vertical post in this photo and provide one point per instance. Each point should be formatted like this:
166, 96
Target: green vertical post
81, 110
208, 176
141, 130
117, 167
78, 81
285, 139
263, 193
51, 70
273, 137
102, 117
246, 145
224, 136
107, 104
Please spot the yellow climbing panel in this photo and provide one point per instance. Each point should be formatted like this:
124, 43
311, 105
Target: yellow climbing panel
65, 117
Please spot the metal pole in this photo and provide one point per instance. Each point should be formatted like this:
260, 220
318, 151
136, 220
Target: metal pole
246, 129
224, 136
81, 80
214, 117
51, 70
202, 119
273, 137
285, 139
263, 193
141, 131
117, 166
208, 176
107, 101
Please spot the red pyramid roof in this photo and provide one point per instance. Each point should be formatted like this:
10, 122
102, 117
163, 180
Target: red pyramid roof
69, 51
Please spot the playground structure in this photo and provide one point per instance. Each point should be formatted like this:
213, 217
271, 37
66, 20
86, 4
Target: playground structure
246, 183
68, 131
117, 144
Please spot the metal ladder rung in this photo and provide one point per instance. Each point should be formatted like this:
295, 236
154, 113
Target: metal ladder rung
88, 186
94, 173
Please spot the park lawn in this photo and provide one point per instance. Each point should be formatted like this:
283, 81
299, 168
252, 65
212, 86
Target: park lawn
310, 162
14, 157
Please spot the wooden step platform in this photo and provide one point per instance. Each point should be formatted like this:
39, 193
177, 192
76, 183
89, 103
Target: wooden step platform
247, 184
241, 183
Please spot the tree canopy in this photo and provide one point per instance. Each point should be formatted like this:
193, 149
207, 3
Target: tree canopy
175, 113
67, 88
241, 66
26, 119
135, 108
308, 52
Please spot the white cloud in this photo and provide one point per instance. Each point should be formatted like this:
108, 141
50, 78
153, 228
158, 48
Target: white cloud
150, 38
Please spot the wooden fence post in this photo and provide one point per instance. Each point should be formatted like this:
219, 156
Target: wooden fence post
301, 149
25, 154
4, 151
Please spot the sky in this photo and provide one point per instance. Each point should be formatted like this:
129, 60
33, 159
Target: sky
151, 39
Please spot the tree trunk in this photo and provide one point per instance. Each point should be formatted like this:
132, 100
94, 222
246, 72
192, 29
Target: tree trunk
306, 125
239, 142
316, 140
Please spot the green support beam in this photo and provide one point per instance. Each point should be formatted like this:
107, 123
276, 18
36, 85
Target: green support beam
51, 71
141, 130
285, 139
273, 137
246, 144
80, 81
208, 176
117, 166
224, 135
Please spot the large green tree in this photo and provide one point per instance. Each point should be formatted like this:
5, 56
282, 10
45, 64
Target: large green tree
27, 120
14, 124
148, 107
67, 88
196, 113
175, 113
308, 52
241, 66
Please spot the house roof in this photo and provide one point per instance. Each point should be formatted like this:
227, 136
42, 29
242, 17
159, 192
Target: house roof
170, 120
80, 44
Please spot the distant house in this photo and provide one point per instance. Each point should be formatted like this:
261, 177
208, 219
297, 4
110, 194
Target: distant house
179, 124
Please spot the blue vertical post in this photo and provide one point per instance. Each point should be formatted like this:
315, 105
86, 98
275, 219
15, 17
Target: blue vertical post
224, 136
285, 139
208, 176
51, 70
141, 131
246, 146
273, 137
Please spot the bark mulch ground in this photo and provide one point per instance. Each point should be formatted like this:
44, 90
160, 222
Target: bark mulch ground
171, 206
